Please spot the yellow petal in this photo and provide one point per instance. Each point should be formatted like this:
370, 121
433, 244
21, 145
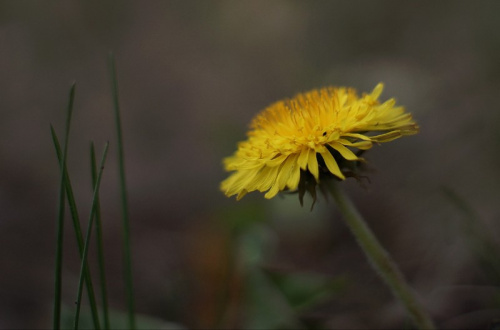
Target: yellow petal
241, 194
377, 90
294, 179
237, 182
312, 165
273, 191
277, 160
332, 165
345, 152
357, 136
303, 158
285, 171
264, 179
386, 137
363, 145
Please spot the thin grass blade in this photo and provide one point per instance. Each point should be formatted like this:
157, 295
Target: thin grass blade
88, 235
123, 193
78, 232
100, 245
60, 218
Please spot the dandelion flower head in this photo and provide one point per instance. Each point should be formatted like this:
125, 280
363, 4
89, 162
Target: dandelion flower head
312, 136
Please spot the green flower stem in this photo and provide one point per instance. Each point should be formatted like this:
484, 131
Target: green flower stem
380, 259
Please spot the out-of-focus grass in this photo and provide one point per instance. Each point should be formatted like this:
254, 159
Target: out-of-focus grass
93, 210
478, 303
66, 189
127, 253
100, 244
483, 244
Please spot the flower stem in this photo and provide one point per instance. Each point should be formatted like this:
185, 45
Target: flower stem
380, 259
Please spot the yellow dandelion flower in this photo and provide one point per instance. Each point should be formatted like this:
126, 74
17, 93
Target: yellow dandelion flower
312, 135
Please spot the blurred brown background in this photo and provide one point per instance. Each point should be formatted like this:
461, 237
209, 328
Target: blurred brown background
192, 74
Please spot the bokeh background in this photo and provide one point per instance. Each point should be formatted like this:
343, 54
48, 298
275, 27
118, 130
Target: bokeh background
192, 74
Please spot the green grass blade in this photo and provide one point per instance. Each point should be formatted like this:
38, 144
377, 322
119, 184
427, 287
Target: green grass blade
78, 231
60, 218
69, 192
123, 192
88, 235
100, 245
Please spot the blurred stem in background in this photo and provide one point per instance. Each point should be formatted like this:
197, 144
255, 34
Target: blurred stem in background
380, 259
483, 243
